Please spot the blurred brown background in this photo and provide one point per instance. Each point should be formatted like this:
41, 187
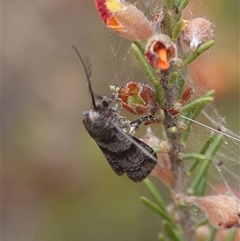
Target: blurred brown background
56, 183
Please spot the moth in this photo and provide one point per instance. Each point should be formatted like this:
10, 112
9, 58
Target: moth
124, 153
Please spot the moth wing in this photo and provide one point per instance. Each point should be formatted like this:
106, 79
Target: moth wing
138, 164
113, 160
132, 161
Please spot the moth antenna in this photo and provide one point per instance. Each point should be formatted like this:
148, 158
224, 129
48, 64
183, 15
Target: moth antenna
88, 73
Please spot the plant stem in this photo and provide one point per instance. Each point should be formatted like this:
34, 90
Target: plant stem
177, 165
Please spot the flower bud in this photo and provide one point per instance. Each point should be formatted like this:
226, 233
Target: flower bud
198, 31
124, 19
222, 211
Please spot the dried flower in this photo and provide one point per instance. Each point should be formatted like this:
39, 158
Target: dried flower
160, 51
182, 127
186, 95
203, 232
162, 170
197, 31
125, 19
221, 188
222, 211
175, 110
153, 141
171, 209
137, 98
223, 234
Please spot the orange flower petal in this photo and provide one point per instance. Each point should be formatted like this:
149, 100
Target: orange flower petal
113, 24
163, 61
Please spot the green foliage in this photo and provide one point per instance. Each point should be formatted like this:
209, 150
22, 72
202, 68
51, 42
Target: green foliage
165, 63
200, 162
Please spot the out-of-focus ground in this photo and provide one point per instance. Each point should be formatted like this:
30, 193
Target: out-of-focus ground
56, 183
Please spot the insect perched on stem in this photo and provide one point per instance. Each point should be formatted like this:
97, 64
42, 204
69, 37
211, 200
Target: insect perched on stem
124, 153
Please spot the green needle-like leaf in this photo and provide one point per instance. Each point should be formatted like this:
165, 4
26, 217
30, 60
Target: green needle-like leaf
161, 237
212, 234
203, 151
202, 48
199, 191
192, 115
210, 93
231, 235
199, 102
173, 78
183, 4
169, 4
156, 209
155, 193
194, 156
172, 235
192, 110
149, 71
181, 81
177, 30
202, 172
138, 50
202, 222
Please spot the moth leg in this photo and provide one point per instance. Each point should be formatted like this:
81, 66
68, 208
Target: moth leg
134, 125
102, 98
106, 101
109, 100
122, 122
112, 97
117, 108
